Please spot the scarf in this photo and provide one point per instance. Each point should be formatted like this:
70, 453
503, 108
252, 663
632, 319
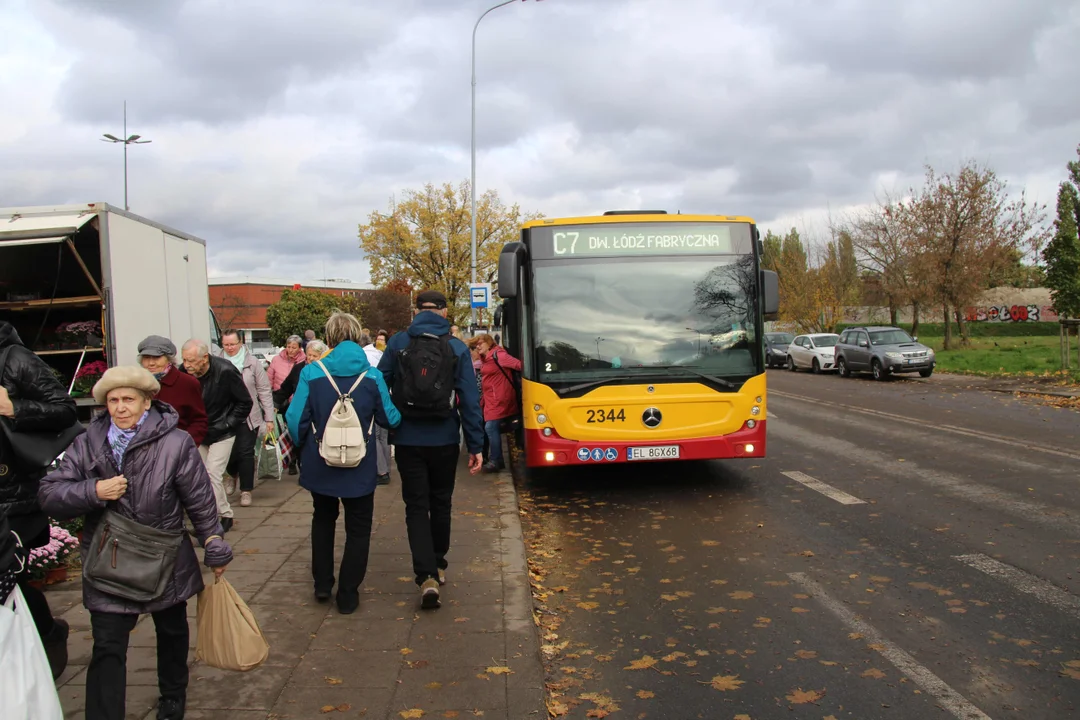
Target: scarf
160, 375
119, 439
238, 359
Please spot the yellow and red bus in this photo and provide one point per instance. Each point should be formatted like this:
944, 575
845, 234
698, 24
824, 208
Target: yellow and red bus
640, 334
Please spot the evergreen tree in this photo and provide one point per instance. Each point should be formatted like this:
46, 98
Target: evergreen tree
1062, 254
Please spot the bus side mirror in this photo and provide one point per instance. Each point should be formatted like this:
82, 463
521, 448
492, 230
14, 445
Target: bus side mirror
510, 261
770, 292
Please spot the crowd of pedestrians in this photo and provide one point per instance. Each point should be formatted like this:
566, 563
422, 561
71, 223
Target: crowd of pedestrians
180, 435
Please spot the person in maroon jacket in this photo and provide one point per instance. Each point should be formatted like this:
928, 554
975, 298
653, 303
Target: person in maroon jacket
178, 389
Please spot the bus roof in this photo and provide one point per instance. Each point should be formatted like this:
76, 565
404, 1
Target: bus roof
603, 219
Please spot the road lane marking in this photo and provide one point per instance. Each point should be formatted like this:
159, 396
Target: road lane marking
1024, 582
946, 697
1028, 511
824, 488
931, 426
770, 415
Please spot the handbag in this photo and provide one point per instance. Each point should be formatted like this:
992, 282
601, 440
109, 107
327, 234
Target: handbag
38, 449
131, 560
269, 461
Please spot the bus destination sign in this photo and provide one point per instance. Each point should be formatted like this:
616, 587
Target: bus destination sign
629, 240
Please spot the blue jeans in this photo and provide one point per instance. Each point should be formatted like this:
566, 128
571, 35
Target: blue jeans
495, 454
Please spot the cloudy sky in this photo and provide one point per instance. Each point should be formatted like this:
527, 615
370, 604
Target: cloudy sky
278, 125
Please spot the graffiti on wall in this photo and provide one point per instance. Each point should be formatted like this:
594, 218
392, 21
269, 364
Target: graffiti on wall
1012, 313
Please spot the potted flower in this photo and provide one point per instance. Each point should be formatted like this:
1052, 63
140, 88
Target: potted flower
87, 377
85, 333
48, 564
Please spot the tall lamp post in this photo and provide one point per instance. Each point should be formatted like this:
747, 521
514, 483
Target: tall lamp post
127, 140
472, 188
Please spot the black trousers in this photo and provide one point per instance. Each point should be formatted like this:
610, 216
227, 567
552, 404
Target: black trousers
106, 678
427, 487
358, 515
242, 461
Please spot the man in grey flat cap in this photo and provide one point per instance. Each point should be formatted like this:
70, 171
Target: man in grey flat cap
158, 355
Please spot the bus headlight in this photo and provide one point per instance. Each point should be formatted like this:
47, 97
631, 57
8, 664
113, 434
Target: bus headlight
751, 424
749, 448
755, 410
542, 419
547, 432
549, 456
536, 408
758, 399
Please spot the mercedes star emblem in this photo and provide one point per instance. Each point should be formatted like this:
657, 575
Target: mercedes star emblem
651, 417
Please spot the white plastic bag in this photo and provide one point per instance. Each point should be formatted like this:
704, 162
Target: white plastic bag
27, 691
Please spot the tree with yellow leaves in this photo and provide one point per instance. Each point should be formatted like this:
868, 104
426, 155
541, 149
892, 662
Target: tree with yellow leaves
424, 239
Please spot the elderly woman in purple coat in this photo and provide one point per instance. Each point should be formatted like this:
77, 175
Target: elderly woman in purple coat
136, 460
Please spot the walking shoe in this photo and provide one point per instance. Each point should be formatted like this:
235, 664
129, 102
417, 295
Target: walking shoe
442, 576
226, 525
56, 649
322, 595
292, 469
230, 484
490, 468
429, 594
347, 602
245, 499
171, 708
383, 479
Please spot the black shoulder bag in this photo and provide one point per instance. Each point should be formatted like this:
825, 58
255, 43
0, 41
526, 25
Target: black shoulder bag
36, 450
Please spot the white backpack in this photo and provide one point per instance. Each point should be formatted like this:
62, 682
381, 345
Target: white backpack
343, 443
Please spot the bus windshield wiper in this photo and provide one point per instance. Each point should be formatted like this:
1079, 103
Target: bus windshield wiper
705, 376
582, 386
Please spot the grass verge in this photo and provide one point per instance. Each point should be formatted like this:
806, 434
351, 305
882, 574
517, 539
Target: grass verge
1004, 356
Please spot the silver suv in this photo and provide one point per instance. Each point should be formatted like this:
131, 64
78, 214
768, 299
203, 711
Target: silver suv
884, 351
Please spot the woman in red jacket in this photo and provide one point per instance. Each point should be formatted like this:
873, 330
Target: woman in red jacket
499, 397
157, 354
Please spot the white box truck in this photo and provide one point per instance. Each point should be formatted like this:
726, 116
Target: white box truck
83, 283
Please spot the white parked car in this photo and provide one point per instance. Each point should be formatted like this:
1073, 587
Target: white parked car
812, 352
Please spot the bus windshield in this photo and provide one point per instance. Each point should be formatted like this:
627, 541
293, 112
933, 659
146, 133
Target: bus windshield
599, 319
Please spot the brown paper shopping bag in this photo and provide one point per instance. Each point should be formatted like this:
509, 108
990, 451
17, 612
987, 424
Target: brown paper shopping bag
229, 636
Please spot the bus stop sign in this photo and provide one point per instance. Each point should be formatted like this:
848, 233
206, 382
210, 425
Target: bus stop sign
480, 296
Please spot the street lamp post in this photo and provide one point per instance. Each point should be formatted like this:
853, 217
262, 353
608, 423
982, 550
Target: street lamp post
472, 187
127, 140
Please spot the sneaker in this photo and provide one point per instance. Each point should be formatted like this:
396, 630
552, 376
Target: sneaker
383, 479
429, 594
170, 708
245, 499
56, 649
442, 576
230, 484
226, 525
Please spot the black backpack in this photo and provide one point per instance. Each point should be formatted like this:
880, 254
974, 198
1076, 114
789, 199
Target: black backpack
424, 384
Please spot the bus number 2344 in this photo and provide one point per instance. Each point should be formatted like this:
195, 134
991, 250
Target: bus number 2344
605, 415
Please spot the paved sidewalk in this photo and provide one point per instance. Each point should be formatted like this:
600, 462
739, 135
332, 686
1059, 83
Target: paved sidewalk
477, 655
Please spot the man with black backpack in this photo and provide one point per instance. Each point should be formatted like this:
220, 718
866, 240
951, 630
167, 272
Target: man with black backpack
433, 385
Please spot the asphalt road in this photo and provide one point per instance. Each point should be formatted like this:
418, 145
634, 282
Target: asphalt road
909, 549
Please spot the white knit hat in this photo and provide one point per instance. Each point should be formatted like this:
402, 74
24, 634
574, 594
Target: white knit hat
127, 376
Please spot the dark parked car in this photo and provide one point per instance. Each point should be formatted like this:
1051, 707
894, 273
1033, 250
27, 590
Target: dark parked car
883, 351
776, 348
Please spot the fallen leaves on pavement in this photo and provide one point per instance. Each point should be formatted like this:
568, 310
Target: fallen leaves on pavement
726, 682
802, 697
